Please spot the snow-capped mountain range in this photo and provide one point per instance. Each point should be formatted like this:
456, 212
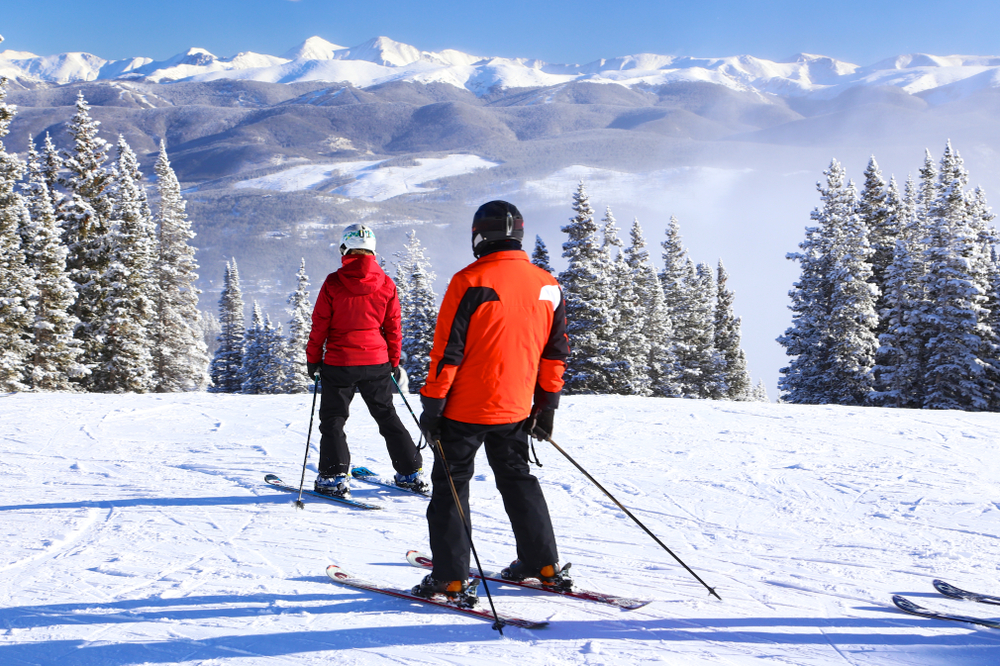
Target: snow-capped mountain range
381, 60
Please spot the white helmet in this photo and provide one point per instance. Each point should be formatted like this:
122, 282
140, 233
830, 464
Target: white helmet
357, 237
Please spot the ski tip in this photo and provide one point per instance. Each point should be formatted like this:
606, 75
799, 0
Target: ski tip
358, 472
272, 478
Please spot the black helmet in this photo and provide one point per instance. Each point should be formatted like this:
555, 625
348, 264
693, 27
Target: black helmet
496, 221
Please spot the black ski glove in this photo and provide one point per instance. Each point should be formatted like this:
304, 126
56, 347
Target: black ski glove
313, 369
396, 374
431, 417
539, 424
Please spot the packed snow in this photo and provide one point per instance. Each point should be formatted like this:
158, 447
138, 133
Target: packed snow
369, 181
139, 530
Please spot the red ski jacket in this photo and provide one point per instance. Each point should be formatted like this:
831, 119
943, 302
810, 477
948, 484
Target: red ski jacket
356, 316
500, 340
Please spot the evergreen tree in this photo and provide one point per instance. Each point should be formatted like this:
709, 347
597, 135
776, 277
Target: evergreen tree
877, 207
832, 338
900, 355
181, 356
17, 284
56, 355
299, 326
228, 359
418, 303
852, 320
987, 275
736, 377
263, 369
628, 346
540, 255
759, 393
955, 376
587, 301
126, 364
656, 323
85, 218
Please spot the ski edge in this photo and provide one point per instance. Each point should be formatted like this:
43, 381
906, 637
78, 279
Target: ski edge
275, 481
952, 592
342, 577
913, 608
422, 561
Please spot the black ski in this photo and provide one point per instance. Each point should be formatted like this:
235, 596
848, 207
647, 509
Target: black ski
338, 575
904, 604
368, 476
273, 481
418, 559
953, 592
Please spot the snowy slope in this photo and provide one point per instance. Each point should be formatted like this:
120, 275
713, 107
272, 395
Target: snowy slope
381, 60
138, 530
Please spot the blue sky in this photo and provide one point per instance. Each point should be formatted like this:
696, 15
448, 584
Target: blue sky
552, 30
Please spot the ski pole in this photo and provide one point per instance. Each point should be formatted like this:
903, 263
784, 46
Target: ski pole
628, 513
498, 625
312, 411
410, 409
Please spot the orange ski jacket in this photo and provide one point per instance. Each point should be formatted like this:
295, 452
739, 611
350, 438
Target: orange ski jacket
500, 339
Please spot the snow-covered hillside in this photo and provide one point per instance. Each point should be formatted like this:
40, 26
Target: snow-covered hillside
138, 530
381, 60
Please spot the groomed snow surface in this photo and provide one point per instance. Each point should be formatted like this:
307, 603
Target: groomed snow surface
138, 530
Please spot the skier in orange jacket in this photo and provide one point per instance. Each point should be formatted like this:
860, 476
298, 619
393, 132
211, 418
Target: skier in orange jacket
495, 377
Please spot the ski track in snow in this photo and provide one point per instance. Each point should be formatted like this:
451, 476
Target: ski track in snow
139, 530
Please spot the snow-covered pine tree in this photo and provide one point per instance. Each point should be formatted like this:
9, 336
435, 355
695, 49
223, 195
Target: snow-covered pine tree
228, 359
418, 302
255, 344
852, 322
588, 302
540, 255
300, 309
900, 355
50, 166
17, 284
736, 377
85, 216
986, 273
955, 375
628, 347
759, 393
831, 339
210, 331
180, 353
877, 210
684, 294
263, 369
126, 365
56, 355
656, 324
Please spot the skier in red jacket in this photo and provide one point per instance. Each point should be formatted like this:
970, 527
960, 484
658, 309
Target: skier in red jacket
356, 319
495, 377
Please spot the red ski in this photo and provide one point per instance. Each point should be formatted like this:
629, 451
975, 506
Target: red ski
338, 575
418, 559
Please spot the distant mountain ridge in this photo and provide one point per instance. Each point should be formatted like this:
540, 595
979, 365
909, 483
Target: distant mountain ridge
382, 60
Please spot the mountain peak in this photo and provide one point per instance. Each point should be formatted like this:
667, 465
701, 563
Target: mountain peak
384, 51
313, 48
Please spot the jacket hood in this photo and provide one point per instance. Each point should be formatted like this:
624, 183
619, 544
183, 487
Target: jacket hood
360, 273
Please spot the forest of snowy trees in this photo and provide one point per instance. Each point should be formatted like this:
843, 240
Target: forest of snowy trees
634, 331
896, 304
97, 292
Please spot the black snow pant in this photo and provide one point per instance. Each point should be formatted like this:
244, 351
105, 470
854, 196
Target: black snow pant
507, 454
375, 385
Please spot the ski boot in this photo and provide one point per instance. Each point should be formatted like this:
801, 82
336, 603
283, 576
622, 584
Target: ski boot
334, 486
460, 592
550, 575
413, 482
